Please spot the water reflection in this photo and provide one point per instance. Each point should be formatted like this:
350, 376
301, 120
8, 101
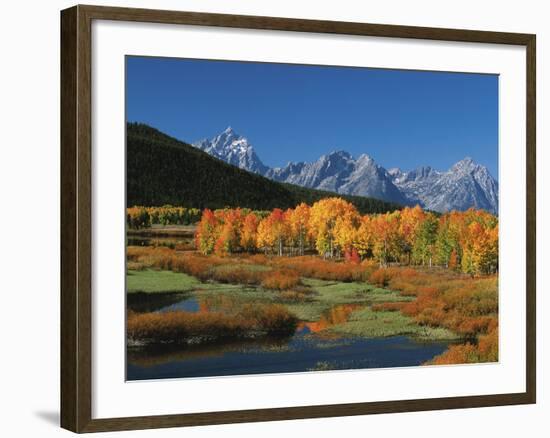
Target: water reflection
296, 354
335, 315
308, 349
146, 302
179, 244
177, 301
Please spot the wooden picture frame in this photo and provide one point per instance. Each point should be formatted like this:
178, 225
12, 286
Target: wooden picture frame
76, 217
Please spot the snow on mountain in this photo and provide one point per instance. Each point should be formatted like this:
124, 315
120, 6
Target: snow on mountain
395, 172
326, 173
233, 149
464, 185
340, 172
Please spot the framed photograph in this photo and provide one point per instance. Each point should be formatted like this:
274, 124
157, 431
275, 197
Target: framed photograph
269, 218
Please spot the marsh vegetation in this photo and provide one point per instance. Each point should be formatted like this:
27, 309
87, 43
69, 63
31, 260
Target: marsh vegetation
192, 314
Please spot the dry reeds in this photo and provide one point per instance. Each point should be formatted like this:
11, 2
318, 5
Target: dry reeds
314, 267
465, 305
183, 327
281, 279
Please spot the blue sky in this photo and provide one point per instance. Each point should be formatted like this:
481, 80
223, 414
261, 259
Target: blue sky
297, 113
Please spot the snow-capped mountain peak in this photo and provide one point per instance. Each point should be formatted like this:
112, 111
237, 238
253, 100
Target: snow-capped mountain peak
466, 184
364, 158
465, 165
340, 172
233, 149
339, 154
395, 172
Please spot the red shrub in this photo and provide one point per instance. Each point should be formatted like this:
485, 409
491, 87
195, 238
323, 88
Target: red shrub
281, 279
407, 273
314, 267
258, 259
238, 275
488, 345
456, 354
352, 256
474, 326
209, 326
381, 277
486, 350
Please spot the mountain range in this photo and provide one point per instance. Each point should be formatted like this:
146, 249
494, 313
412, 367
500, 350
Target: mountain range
162, 170
466, 184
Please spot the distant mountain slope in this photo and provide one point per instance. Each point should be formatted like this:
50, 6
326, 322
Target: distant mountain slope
465, 185
341, 173
162, 170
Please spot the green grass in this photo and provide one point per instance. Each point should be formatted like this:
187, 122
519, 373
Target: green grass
379, 295
325, 295
332, 293
366, 323
153, 281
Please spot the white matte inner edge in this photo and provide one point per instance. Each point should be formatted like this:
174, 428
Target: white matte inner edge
113, 397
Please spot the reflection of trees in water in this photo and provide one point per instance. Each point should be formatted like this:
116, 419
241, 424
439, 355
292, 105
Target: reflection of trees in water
151, 302
153, 355
142, 302
333, 316
179, 244
221, 303
160, 354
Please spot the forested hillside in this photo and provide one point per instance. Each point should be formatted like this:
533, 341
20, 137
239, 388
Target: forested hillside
162, 170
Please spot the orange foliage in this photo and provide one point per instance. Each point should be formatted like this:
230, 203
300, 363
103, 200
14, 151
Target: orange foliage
459, 303
249, 232
314, 267
486, 350
181, 327
380, 277
335, 315
199, 266
333, 228
281, 279
237, 275
465, 305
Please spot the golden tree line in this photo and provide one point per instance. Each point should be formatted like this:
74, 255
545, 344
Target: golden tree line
333, 228
143, 217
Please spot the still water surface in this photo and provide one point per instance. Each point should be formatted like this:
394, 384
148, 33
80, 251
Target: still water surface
310, 348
